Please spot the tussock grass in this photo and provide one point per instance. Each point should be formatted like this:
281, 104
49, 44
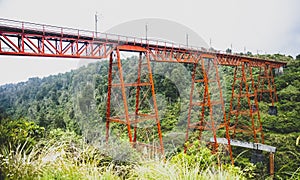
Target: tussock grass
55, 160
170, 170
67, 159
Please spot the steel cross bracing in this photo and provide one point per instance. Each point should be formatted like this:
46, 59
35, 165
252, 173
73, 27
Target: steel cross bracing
244, 104
118, 87
205, 78
31, 39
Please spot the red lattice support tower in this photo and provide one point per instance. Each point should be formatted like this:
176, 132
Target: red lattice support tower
205, 78
30, 39
266, 87
244, 115
118, 106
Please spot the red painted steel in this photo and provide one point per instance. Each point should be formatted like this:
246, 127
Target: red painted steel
266, 84
202, 79
137, 96
109, 86
116, 82
225, 123
244, 105
31, 39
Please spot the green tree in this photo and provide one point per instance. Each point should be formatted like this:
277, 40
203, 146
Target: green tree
15, 132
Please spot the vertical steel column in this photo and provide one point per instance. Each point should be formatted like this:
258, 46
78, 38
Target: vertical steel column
272, 170
124, 95
239, 98
205, 98
232, 95
273, 84
115, 56
43, 40
190, 105
256, 109
23, 34
154, 102
137, 96
109, 95
223, 110
60, 42
248, 97
261, 82
209, 104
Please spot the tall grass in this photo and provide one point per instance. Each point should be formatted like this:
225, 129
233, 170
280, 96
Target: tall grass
56, 160
66, 159
19, 162
178, 171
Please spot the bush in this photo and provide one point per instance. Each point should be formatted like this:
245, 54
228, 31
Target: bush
196, 155
21, 131
52, 159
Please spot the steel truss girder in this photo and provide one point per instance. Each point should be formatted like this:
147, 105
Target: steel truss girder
236, 60
37, 44
29, 39
175, 56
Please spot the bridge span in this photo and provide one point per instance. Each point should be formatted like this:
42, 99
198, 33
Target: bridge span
30, 39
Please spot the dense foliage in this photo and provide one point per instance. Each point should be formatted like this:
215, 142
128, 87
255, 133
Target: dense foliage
63, 116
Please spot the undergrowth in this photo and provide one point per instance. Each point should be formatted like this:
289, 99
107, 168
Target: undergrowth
68, 157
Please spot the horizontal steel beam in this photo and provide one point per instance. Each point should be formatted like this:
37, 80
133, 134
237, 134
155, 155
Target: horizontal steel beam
31, 39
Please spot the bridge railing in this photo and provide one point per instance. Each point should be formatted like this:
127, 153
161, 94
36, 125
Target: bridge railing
10, 23
103, 37
43, 29
106, 37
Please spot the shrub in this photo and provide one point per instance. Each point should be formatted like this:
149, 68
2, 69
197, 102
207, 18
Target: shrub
15, 132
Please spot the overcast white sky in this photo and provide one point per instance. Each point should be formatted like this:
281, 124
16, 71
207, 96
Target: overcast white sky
268, 26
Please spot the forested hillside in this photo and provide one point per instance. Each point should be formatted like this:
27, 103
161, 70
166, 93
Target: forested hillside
70, 108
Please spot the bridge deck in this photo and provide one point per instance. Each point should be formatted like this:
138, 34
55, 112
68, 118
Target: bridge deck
249, 145
17, 29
